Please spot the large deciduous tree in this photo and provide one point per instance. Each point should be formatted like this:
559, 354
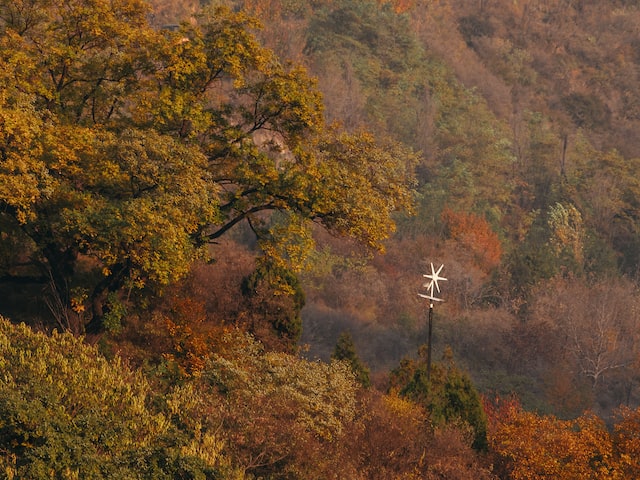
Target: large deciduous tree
124, 151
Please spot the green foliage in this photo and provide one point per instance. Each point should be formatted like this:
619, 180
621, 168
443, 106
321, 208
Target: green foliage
537, 162
65, 53
324, 393
474, 26
532, 261
606, 189
567, 232
345, 350
586, 110
372, 43
278, 413
363, 181
446, 393
474, 151
115, 313
278, 299
124, 151
471, 158
66, 412
555, 243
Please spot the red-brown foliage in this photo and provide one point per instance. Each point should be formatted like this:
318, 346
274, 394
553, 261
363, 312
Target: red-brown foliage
473, 234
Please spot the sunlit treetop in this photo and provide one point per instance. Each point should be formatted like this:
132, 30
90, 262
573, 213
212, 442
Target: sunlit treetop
125, 150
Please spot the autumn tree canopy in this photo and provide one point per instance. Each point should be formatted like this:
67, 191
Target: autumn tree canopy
125, 150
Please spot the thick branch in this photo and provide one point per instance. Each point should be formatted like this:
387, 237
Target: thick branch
234, 221
229, 205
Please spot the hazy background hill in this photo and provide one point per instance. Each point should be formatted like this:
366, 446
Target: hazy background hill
526, 115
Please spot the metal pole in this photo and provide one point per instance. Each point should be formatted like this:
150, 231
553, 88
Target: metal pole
434, 276
429, 342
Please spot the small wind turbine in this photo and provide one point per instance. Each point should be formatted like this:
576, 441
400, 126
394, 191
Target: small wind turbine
432, 285
435, 277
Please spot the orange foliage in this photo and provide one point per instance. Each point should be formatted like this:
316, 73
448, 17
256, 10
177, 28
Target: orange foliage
498, 408
473, 234
627, 440
395, 428
190, 335
400, 6
394, 440
529, 446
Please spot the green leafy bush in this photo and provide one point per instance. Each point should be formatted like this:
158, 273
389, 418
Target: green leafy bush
67, 412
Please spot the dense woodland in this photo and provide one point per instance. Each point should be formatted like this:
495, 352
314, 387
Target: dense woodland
215, 218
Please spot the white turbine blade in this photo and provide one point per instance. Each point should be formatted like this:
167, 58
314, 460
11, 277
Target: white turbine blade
434, 277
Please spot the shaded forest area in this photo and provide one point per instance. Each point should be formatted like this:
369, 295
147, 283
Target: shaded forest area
228, 208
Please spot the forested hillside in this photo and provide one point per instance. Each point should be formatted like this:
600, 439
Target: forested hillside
522, 113
215, 218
